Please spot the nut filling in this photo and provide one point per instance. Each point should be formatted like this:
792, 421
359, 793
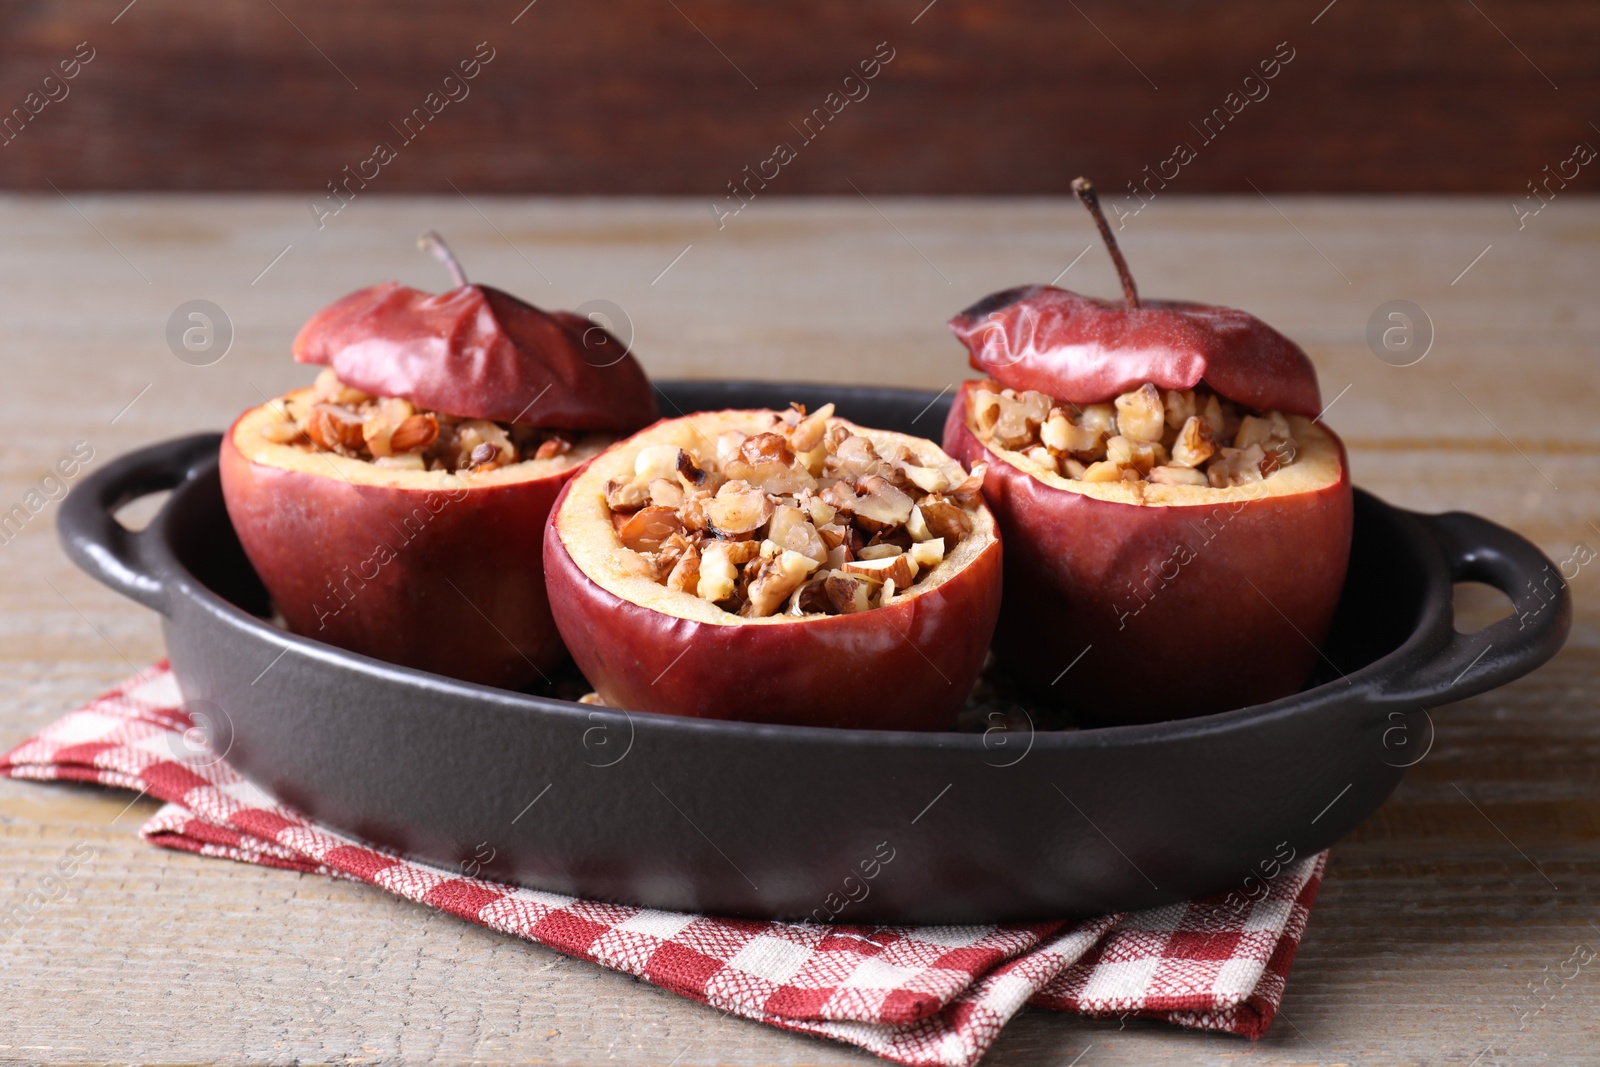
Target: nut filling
804, 518
390, 432
1193, 437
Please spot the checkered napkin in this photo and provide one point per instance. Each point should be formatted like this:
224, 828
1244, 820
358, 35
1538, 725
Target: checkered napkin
918, 995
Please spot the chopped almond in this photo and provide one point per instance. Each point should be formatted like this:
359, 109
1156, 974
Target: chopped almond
379, 428
917, 525
555, 446
928, 554
900, 568
945, 519
416, 432
848, 594
334, 429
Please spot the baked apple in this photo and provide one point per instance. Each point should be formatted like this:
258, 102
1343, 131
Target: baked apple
394, 507
1177, 518
777, 567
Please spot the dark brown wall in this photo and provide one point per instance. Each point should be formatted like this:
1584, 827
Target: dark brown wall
628, 96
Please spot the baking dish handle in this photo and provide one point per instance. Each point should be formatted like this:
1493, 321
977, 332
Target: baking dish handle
1477, 550
90, 533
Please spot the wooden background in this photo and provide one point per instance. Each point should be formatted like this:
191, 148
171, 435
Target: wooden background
677, 96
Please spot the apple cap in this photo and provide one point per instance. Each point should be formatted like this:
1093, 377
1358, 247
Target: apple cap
478, 352
1086, 350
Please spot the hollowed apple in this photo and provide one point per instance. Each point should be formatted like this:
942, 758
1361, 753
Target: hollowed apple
1177, 519
1182, 601
395, 508
773, 567
438, 570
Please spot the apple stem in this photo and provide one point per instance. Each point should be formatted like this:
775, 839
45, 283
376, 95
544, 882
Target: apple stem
1091, 200
432, 242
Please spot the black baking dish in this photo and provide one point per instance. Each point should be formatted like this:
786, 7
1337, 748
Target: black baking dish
769, 821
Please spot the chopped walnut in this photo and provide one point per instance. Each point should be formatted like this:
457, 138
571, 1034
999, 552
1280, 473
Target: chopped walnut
645, 530
1194, 445
1185, 437
390, 432
1140, 416
806, 517
1236, 466
685, 574
777, 576
739, 510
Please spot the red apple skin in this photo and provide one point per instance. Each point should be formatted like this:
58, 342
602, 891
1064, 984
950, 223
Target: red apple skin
462, 596
476, 351
1202, 640
1085, 350
908, 666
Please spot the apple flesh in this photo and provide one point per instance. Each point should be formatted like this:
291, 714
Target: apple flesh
1195, 600
428, 569
908, 665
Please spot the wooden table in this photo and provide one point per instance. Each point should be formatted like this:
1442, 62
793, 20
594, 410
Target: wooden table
1475, 882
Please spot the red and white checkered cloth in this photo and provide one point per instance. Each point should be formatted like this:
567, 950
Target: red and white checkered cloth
918, 995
